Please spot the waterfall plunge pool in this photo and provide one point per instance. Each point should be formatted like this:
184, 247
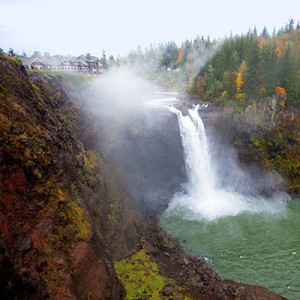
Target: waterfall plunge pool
256, 248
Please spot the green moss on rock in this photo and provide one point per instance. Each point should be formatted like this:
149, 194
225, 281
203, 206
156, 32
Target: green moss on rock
141, 278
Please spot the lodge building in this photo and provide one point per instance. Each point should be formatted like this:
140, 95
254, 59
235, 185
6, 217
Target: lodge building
86, 64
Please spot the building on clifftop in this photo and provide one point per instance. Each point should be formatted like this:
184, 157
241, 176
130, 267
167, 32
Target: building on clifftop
86, 64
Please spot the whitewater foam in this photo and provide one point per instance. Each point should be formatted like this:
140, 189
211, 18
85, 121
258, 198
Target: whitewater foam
201, 198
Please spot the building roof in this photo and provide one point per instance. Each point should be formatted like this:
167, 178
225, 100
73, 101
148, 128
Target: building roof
27, 60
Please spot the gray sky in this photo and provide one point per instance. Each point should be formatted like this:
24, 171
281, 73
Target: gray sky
76, 26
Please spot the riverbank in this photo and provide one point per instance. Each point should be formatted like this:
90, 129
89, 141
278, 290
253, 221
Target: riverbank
183, 275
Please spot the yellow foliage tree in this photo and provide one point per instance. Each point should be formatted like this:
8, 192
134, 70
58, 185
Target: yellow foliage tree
240, 81
278, 52
224, 94
281, 91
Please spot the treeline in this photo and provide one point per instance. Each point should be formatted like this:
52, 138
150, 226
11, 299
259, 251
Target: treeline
168, 56
239, 69
251, 67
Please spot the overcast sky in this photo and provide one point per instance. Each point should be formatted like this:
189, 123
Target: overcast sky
76, 27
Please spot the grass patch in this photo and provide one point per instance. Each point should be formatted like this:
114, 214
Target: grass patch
18, 60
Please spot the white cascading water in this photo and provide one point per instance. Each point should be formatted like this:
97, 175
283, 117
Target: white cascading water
196, 151
202, 200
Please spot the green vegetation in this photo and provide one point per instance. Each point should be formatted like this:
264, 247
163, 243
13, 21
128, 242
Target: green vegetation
86, 161
76, 80
60, 75
14, 60
141, 277
277, 149
78, 225
18, 60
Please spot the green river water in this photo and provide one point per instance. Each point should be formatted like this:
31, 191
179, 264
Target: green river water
255, 248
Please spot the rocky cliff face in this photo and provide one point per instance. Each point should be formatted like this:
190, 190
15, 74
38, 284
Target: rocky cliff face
60, 214
266, 134
262, 114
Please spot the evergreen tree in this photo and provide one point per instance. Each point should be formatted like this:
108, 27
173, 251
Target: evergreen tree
255, 31
268, 69
11, 52
186, 47
280, 31
214, 87
197, 42
103, 61
288, 75
291, 24
169, 55
112, 61
253, 66
265, 33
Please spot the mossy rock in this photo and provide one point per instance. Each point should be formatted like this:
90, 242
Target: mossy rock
141, 278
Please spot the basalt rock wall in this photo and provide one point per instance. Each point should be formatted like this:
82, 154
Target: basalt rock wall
63, 215
265, 134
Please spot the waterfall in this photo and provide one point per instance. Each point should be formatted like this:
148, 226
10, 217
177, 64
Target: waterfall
196, 150
202, 199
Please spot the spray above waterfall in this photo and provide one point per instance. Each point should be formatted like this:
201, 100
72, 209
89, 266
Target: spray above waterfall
203, 197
